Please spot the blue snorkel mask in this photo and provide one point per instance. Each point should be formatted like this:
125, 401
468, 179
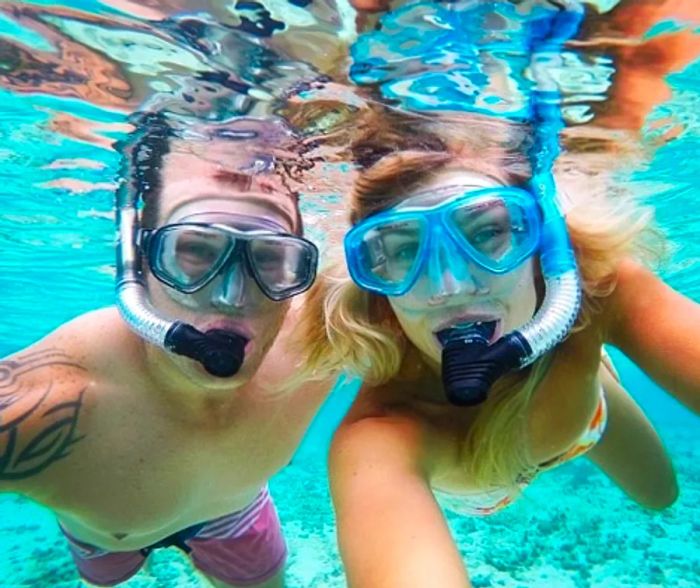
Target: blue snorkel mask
490, 231
496, 229
388, 251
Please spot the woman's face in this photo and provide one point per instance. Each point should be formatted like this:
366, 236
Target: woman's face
461, 291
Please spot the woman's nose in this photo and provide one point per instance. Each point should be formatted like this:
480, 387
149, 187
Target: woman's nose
450, 273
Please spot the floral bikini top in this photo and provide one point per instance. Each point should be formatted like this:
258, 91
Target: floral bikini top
486, 502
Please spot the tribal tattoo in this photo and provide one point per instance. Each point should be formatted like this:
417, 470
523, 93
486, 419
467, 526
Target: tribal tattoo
23, 455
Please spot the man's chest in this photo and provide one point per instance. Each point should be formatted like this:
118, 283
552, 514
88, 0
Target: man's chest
144, 473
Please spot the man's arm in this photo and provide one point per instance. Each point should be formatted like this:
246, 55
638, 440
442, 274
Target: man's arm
41, 399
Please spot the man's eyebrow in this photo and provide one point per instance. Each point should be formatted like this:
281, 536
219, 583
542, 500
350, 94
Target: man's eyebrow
243, 182
271, 205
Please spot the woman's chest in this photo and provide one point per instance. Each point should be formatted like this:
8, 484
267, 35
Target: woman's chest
544, 419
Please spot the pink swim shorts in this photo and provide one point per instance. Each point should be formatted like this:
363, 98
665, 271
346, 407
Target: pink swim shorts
243, 548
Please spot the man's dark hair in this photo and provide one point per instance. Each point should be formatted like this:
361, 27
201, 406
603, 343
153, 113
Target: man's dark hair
143, 151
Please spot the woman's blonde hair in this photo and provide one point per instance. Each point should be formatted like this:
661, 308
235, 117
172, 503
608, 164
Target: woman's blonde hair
348, 329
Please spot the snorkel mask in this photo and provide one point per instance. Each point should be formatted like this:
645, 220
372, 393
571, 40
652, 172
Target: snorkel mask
221, 352
470, 365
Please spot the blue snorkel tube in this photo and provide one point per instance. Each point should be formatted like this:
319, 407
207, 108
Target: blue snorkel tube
220, 352
469, 365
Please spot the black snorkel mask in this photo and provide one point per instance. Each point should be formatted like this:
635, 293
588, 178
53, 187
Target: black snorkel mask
221, 352
470, 365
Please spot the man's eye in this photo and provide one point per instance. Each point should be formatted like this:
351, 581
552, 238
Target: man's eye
197, 251
270, 259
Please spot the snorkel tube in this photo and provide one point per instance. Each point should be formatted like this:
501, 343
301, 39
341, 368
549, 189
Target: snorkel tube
220, 352
469, 365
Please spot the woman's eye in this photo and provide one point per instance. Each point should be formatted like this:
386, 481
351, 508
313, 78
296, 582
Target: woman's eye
491, 236
405, 252
487, 234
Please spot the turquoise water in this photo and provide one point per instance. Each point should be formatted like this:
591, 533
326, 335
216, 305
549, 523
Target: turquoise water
573, 528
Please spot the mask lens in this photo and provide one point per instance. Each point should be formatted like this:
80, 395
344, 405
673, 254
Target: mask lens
187, 256
388, 253
283, 266
497, 229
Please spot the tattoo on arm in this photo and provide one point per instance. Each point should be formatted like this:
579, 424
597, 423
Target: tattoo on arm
23, 455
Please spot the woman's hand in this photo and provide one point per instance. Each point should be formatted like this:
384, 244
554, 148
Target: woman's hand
391, 531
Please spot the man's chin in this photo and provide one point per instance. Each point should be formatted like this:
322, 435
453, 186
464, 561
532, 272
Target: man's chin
208, 380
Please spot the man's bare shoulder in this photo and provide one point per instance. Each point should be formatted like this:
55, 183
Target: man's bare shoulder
42, 391
46, 389
93, 337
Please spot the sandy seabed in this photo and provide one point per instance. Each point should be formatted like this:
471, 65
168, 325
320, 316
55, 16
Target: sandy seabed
571, 529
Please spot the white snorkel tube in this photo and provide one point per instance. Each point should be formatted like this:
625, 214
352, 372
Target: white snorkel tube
469, 365
220, 352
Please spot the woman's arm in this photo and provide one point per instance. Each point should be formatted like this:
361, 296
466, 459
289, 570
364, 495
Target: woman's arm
659, 329
391, 531
631, 452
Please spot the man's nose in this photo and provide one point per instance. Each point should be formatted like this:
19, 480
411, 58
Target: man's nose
232, 287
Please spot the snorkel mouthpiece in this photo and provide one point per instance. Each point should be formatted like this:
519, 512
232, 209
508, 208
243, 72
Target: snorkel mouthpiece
470, 366
220, 352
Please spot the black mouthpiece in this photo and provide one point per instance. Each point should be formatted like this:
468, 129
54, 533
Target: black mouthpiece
220, 352
470, 366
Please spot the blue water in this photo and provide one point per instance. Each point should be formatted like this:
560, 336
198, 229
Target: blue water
57, 169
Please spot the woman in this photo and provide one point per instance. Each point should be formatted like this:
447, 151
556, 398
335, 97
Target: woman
442, 242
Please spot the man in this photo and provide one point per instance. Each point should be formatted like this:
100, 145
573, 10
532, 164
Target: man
135, 447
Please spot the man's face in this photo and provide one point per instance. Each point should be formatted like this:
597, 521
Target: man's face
201, 190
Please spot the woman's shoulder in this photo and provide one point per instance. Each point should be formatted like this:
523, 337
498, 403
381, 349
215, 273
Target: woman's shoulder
377, 435
388, 415
377, 410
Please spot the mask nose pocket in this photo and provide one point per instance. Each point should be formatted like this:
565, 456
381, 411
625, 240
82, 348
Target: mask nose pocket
448, 270
231, 285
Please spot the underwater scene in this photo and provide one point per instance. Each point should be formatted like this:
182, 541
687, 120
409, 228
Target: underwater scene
296, 84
